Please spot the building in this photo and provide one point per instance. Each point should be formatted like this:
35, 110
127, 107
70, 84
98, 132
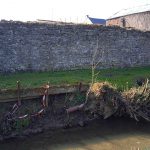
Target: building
137, 18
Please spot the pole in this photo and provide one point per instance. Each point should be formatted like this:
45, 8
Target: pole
47, 94
18, 92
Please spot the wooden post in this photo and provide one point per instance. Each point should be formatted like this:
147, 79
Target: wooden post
80, 86
47, 94
18, 92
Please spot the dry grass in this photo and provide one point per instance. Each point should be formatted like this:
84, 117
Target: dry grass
137, 101
105, 100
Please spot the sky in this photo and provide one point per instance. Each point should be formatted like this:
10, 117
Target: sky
63, 10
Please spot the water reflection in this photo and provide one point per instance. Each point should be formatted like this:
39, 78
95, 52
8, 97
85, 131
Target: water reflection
112, 134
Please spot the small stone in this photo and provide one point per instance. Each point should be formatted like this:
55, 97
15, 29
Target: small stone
1, 138
81, 123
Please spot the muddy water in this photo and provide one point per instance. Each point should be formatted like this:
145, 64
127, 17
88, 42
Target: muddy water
112, 134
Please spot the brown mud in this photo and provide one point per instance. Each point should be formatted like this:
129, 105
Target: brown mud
66, 111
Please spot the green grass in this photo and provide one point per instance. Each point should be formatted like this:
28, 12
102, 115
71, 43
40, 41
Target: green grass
120, 77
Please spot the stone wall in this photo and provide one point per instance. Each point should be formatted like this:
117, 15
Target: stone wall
140, 21
36, 46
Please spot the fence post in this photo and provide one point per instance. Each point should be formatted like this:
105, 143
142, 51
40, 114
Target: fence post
18, 92
47, 94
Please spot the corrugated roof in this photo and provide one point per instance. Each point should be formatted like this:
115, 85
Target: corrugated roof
129, 11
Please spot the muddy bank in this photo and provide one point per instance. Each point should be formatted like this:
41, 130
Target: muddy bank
49, 121
46, 122
102, 100
53, 117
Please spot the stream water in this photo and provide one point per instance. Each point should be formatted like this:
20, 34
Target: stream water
111, 134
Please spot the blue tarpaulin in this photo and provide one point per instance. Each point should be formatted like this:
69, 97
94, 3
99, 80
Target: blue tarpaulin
97, 20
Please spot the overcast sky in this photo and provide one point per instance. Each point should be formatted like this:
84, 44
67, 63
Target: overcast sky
63, 10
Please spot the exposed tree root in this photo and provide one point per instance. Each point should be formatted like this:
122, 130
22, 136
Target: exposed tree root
102, 99
106, 100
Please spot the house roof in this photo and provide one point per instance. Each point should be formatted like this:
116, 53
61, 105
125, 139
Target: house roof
130, 11
97, 20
